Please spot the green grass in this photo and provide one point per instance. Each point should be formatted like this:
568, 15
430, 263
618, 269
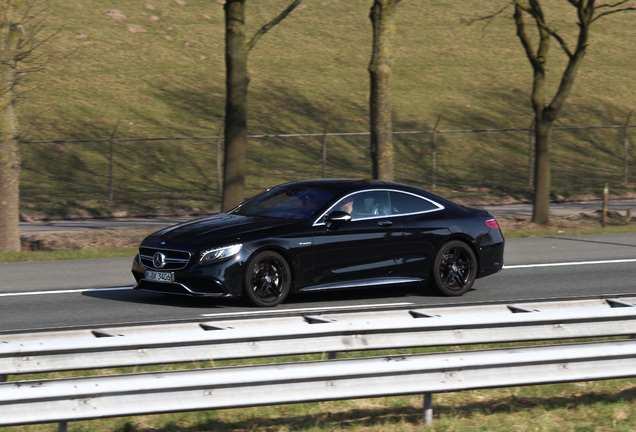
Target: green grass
70, 254
308, 75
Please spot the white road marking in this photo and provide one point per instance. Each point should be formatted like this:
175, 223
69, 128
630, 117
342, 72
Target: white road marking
620, 261
69, 291
506, 267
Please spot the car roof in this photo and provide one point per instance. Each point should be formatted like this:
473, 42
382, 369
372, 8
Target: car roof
345, 186
342, 185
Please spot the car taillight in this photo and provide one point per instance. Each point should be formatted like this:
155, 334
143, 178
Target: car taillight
492, 223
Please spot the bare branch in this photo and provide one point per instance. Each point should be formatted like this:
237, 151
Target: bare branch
267, 27
521, 32
488, 17
612, 5
534, 9
630, 9
29, 56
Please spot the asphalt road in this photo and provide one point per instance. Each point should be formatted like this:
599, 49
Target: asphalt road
98, 293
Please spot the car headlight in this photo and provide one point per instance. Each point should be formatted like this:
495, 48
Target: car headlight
212, 255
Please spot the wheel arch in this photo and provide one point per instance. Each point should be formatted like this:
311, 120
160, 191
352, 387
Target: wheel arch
282, 251
466, 239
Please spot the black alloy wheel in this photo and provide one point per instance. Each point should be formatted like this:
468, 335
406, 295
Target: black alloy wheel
267, 279
454, 268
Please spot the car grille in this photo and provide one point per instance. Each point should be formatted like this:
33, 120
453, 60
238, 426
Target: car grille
172, 260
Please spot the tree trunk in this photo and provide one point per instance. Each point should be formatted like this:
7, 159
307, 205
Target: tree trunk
542, 179
380, 70
237, 81
9, 148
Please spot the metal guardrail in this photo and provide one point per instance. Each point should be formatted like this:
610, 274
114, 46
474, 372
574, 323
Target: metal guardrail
63, 400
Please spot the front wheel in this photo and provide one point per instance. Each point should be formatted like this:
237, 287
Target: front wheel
267, 279
454, 268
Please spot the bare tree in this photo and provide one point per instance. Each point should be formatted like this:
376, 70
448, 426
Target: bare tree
19, 56
237, 81
380, 70
546, 109
10, 31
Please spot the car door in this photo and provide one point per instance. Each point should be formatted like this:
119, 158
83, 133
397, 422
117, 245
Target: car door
363, 248
422, 227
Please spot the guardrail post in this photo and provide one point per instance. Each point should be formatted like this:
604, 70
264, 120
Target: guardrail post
3, 378
62, 427
428, 409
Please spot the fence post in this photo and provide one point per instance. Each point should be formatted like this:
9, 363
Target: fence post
111, 163
219, 160
605, 202
434, 154
626, 150
324, 154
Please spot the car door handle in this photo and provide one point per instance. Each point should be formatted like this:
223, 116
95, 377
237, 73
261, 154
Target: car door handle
385, 223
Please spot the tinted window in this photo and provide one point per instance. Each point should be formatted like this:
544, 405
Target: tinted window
370, 204
288, 202
402, 203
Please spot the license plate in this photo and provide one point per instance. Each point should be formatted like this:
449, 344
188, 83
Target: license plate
159, 276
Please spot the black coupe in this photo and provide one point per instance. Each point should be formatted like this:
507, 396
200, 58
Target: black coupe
320, 235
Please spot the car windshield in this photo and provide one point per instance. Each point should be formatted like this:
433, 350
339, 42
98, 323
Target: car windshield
286, 202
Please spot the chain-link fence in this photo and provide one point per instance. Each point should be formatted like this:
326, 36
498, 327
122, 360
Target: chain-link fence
189, 168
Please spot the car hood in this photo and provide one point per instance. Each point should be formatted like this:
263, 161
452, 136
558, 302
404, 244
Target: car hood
217, 228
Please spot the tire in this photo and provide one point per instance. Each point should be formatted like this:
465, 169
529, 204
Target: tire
267, 279
454, 268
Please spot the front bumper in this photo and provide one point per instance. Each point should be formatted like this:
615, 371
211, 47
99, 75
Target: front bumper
223, 279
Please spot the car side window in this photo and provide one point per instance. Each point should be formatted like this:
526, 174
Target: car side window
364, 205
403, 203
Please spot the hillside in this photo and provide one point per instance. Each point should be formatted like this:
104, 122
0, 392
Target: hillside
155, 68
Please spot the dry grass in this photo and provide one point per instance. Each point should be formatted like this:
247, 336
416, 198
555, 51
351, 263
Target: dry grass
169, 81
512, 227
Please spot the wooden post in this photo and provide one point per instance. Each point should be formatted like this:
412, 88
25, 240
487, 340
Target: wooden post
434, 154
626, 150
111, 165
324, 155
605, 200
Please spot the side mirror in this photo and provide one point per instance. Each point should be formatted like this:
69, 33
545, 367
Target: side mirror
336, 217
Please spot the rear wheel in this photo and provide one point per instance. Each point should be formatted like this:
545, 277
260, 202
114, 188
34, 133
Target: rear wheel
454, 268
267, 279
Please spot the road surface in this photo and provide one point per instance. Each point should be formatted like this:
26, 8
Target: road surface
93, 293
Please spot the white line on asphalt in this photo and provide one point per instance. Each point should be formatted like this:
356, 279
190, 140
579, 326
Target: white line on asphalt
506, 267
278, 311
620, 261
17, 294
